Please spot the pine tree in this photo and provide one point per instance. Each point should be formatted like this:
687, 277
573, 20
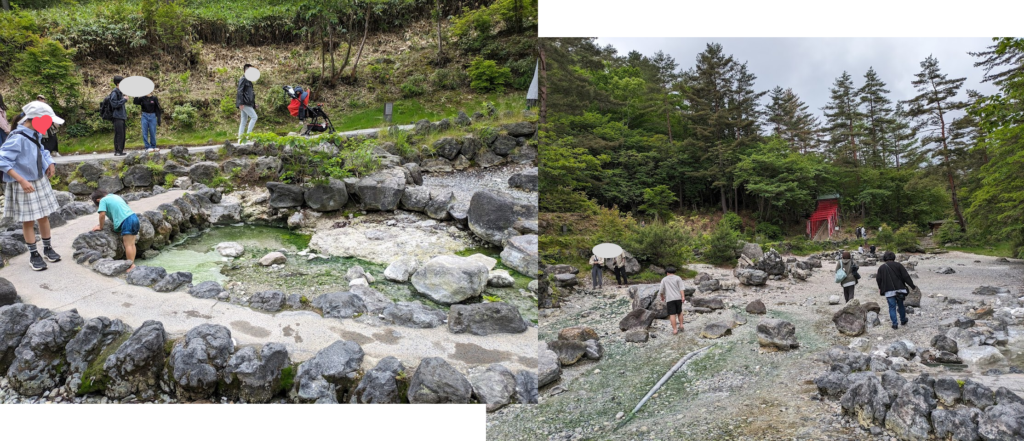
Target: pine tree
1005, 53
877, 115
843, 119
789, 119
711, 83
931, 108
901, 144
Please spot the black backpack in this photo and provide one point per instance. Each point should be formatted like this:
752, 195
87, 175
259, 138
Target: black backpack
106, 110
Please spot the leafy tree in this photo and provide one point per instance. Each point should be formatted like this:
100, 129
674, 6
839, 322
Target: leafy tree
780, 178
18, 31
722, 245
658, 201
660, 243
931, 108
487, 76
564, 170
47, 67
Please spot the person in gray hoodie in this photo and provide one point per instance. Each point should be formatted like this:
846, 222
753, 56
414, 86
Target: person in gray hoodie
245, 99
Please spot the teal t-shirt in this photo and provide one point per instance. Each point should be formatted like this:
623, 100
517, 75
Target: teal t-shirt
116, 208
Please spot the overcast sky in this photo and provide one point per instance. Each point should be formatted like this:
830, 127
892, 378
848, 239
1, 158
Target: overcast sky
811, 65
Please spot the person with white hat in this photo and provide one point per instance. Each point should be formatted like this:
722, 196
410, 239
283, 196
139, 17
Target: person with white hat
27, 168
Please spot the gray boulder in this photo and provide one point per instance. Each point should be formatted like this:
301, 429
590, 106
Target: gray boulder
908, 416
778, 334
954, 424
751, 277
381, 385
486, 158
138, 176
526, 387
637, 319
203, 172
83, 350
270, 301
752, 251
756, 307
206, 290
401, 270
437, 206
493, 386
415, 199
470, 145
851, 319
447, 147
503, 145
14, 323
485, 319
197, 361
548, 368
256, 376
39, 359
329, 375
173, 281
947, 390
711, 303
136, 367
146, 275
437, 382
327, 197
382, 190
772, 263
340, 304
450, 279
867, 401
978, 395
716, 330
8, 294
527, 180
110, 184
521, 254
415, 175
285, 195
492, 216
414, 315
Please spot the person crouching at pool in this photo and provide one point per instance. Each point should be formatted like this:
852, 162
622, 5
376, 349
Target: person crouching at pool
123, 218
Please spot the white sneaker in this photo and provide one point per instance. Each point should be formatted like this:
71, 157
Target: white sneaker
56, 154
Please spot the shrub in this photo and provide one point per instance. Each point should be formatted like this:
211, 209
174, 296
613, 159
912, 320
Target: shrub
722, 245
732, 221
886, 236
905, 238
486, 76
660, 243
186, 115
413, 86
18, 31
227, 105
950, 233
169, 180
449, 79
658, 201
46, 67
768, 231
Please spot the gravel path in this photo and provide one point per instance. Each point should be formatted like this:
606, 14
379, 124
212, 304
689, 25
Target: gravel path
737, 391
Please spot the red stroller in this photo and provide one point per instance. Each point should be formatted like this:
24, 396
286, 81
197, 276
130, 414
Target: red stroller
299, 107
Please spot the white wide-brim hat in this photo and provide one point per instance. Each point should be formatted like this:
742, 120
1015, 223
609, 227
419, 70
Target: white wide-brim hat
36, 109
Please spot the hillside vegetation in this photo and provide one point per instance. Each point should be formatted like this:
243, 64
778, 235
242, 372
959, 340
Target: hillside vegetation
431, 59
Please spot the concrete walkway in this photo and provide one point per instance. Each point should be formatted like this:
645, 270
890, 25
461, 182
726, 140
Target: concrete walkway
65, 159
67, 285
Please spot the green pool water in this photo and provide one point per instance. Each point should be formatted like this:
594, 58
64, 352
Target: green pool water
300, 275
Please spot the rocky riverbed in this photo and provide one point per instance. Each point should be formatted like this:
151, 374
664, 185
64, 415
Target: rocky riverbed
739, 390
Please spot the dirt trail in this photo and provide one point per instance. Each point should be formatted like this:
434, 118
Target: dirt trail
736, 391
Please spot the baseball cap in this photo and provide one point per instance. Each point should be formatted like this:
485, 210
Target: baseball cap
37, 109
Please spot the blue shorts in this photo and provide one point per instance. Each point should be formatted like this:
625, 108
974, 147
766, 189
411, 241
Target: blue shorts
130, 226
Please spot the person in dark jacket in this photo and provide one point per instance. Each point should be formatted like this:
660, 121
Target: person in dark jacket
117, 102
850, 267
152, 113
245, 99
893, 279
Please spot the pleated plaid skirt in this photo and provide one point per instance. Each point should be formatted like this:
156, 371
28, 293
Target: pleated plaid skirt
24, 207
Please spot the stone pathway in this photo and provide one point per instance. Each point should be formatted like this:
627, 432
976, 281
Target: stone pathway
67, 285
65, 159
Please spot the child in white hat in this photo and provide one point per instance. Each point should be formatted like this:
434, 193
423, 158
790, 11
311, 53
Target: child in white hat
27, 168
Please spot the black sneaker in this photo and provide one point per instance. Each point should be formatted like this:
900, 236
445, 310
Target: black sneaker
37, 262
895, 327
51, 255
903, 323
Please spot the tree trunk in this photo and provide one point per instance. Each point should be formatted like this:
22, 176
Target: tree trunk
439, 50
323, 59
330, 48
668, 123
348, 45
7, 5
543, 89
366, 29
721, 191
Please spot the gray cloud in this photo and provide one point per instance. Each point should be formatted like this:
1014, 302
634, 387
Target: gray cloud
811, 65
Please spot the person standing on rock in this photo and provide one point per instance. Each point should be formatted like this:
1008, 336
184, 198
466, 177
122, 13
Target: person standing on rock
673, 293
850, 282
597, 271
27, 169
619, 268
117, 102
893, 279
123, 218
152, 113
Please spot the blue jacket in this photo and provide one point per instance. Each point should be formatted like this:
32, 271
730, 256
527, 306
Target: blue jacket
20, 154
117, 101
